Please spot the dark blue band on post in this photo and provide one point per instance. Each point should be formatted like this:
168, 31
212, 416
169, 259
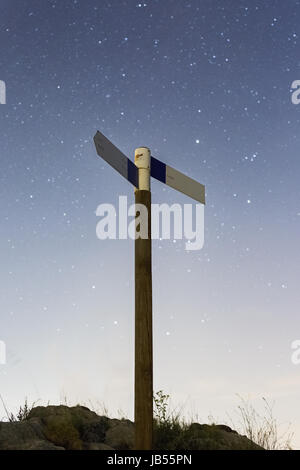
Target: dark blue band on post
158, 170
132, 174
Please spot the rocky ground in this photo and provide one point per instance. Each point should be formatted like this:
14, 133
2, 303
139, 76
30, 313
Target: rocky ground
77, 428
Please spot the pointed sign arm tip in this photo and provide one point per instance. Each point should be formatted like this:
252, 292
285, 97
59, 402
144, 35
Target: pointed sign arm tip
112, 155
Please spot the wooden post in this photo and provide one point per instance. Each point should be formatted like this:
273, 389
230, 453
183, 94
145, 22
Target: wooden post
143, 405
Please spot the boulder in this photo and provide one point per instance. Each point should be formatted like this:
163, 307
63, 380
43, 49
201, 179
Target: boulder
24, 435
120, 435
95, 430
64, 426
97, 446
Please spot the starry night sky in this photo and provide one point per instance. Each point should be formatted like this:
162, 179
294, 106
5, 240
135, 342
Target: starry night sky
205, 84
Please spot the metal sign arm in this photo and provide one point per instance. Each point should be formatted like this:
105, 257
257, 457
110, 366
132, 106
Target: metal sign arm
177, 180
112, 155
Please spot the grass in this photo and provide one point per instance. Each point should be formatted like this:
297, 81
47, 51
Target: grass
263, 428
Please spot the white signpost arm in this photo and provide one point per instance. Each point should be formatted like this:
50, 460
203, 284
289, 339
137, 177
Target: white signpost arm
177, 180
112, 155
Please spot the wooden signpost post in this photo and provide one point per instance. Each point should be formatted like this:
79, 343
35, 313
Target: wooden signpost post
138, 174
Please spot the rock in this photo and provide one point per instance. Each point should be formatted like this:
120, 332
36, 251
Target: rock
120, 435
24, 435
40, 445
97, 446
225, 428
95, 431
79, 415
196, 427
62, 424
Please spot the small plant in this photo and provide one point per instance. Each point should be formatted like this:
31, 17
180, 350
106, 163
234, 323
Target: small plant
168, 427
24, 411
161, 406
22, 414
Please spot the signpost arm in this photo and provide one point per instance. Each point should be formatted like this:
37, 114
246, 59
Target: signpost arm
143, 406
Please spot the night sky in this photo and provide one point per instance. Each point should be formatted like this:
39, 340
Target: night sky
206, 85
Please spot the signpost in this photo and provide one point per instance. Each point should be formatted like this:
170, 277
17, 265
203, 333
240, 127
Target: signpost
138, 174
